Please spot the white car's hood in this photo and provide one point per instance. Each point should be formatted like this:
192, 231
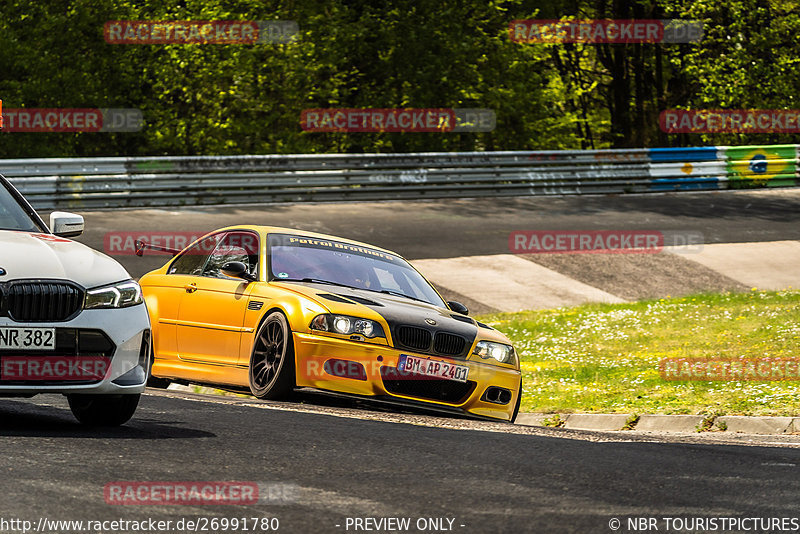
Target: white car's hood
27, 255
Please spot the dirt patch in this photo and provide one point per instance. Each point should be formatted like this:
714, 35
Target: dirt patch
638, 276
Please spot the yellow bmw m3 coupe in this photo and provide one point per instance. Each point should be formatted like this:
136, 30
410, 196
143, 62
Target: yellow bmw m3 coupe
270, 309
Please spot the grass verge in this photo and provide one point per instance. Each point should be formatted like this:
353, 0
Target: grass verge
605, 357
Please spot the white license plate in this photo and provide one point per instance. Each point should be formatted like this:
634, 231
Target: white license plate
434, 368
25, 338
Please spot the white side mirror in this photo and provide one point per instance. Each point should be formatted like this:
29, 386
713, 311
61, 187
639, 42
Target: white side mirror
66, 224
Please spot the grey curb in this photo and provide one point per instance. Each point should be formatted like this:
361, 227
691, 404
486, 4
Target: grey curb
667, 423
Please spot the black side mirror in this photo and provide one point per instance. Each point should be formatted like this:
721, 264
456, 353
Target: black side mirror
237, 269
458, 307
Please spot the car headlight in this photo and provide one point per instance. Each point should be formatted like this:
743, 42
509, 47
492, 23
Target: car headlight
345, 325
119, 295
498, 351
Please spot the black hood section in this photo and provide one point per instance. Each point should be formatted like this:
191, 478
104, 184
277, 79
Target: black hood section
452, 334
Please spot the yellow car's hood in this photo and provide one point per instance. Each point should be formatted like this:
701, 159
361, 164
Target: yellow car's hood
396, 310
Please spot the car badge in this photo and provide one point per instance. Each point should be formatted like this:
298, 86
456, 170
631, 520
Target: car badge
430, 322
2, 272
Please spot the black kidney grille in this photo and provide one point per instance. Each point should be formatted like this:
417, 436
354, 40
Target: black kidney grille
42, 301
414, 338
449, 344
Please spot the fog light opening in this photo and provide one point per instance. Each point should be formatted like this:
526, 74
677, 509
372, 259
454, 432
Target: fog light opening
497, 395
345, 369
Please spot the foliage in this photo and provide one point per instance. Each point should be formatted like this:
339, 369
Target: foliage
247, 99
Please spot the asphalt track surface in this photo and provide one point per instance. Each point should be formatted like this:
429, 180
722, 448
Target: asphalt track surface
356, 462
473, 227
352, 459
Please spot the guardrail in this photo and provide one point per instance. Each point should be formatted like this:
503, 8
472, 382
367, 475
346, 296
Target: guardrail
86, 183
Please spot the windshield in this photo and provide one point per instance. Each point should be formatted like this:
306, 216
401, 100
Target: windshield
298, 258
12, 215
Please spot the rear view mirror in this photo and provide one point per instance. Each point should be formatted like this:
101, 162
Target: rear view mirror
458, 307
237, 269
66, 224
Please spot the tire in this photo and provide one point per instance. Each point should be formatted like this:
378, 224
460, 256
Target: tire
272, 360
154, 381
519, 403
103, 410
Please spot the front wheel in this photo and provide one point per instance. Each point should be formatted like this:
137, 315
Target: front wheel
103, 410
272, 361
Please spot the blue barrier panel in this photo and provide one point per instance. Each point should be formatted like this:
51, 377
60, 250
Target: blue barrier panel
663, 155
684, 184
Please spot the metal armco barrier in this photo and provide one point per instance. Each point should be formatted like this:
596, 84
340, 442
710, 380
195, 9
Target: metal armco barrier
87, 183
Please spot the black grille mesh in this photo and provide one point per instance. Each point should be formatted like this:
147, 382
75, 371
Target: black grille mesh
41, 301
449, 344
414, 338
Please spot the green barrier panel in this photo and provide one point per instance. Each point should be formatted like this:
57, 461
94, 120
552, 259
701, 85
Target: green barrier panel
761, 166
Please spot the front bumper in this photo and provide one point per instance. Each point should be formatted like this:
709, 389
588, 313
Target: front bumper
127, 330
314, 355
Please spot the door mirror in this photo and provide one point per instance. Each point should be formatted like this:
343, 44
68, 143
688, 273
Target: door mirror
237, 269
66, 224
458, 307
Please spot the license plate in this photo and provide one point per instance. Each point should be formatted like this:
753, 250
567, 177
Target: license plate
24, 338
434, 368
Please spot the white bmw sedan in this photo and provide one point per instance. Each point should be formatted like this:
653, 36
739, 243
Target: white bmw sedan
72, 321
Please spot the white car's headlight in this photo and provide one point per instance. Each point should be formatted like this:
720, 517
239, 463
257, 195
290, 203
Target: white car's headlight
500, 352
345, 324
119, 295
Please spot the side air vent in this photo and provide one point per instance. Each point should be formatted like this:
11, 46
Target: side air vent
463, 318
334, 298
362, 300
255, 305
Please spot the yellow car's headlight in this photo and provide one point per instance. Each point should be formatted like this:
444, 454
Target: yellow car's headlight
119, 295
500, 352
345, 325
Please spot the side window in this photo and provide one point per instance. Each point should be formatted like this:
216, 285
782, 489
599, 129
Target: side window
193, 259
234, 246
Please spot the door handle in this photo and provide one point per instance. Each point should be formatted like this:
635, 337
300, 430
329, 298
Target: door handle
190, 288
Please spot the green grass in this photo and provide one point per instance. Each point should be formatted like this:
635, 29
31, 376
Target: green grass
605, 357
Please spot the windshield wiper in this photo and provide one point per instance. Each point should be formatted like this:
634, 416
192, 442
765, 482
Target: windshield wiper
313, 281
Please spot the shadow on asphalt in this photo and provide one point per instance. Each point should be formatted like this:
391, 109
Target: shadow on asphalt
703, 205
334, 400
20, 418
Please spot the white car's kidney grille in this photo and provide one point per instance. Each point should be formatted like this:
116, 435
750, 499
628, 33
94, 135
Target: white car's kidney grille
41, 301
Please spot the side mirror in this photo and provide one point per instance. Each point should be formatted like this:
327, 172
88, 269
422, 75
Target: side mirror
237, 269
66, 224
458, 307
